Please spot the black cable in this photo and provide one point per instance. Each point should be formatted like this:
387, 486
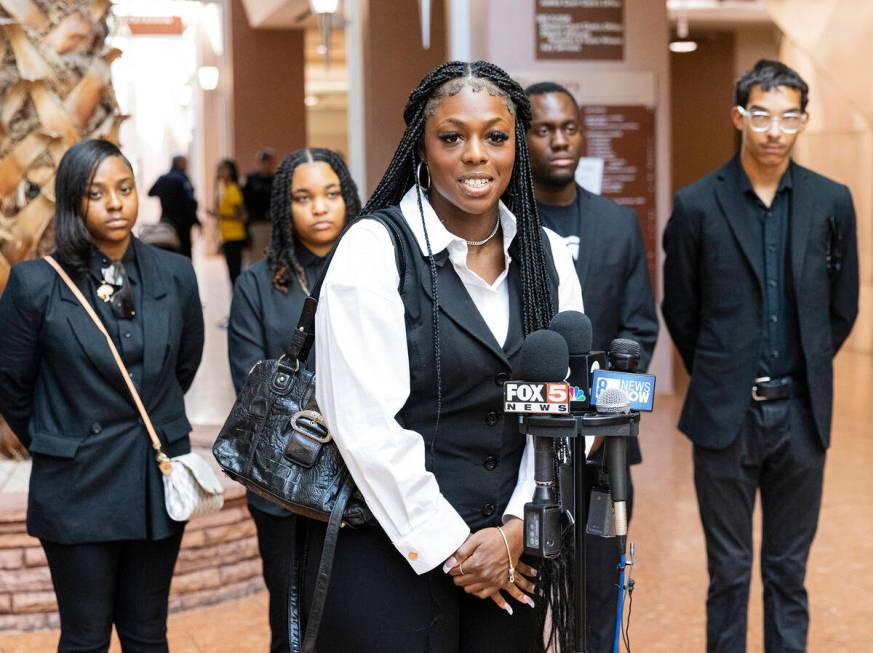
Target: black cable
625, 627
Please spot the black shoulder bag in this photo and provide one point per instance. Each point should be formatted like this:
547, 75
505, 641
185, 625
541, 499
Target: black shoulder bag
276, 443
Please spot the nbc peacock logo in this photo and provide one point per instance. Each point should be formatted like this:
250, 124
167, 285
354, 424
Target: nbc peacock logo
577, 394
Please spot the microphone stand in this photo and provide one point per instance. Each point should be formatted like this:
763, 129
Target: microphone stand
576, 427
580, 567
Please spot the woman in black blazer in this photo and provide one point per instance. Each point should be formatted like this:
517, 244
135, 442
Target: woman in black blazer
96, 499
313, 197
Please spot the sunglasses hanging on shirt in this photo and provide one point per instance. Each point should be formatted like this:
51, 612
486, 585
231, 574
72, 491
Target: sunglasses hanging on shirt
115, 290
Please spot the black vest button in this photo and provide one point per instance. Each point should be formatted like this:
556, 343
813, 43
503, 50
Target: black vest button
488, 509
491, 418
501, 378
96, 428
490, 463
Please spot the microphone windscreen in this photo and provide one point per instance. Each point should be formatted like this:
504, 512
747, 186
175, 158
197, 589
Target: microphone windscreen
543, 358
575, 327
625, 346
613, 400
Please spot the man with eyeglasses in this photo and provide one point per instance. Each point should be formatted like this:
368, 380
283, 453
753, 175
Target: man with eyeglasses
606, 244
760, 291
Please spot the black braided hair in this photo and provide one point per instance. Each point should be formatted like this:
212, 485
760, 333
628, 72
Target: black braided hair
281, 256
519, 195
448, 79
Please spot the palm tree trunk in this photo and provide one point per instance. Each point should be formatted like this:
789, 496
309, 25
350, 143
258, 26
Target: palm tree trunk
55, 90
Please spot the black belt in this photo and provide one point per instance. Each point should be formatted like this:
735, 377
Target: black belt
786, 387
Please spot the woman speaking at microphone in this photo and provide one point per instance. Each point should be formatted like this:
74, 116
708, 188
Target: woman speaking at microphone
410, 377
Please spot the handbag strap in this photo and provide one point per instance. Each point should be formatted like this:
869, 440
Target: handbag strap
163, 461
322, 582
304, 335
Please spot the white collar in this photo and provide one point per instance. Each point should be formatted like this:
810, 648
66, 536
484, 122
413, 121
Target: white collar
440, 237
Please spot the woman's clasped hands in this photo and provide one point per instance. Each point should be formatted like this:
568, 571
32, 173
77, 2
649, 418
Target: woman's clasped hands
482, 566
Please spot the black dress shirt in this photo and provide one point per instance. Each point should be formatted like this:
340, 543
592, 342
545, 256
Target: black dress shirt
780, 336
126, 332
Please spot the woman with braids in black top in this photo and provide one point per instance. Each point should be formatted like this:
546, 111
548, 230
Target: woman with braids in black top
312, 198
410, 373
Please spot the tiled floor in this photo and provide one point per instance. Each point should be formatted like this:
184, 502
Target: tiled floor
668, 607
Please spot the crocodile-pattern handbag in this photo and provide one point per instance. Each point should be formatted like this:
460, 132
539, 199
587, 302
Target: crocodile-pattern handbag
276, 443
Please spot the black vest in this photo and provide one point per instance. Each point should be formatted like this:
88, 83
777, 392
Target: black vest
477, 450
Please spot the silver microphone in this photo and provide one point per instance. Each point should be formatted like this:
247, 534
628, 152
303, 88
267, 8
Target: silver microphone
617, 402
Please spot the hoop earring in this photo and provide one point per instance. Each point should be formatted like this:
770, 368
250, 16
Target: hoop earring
421, 186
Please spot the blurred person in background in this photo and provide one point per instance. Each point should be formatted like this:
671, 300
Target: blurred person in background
178, 205
314, 197
96, 498
230, 212
256, 198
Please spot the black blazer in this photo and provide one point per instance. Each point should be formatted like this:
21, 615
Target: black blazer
94, 477
713, 295
262, 319
612, 270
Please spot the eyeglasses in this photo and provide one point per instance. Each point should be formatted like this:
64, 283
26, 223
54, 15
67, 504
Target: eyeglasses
762, 121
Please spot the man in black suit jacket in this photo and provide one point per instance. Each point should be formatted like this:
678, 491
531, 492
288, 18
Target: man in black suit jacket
178, 205
607, 247
760, 291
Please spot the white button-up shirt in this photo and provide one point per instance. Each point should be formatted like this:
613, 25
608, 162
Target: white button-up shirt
363, 376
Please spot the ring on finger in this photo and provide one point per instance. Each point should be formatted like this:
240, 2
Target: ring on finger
461, 568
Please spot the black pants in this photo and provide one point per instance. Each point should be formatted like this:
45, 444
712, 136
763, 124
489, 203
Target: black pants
276, 542
104, 583
602, 556
377, 604
778, 451
233, 251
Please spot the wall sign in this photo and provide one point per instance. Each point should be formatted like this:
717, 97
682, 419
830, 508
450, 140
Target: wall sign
580, 29
624, 137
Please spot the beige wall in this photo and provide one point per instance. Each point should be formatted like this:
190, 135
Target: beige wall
830, 45
504, 34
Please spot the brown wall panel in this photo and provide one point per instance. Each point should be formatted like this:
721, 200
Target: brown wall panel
703, 138
394, 63
702, 90
268, 89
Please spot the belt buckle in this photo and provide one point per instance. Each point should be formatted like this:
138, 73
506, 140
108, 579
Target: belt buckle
755, 395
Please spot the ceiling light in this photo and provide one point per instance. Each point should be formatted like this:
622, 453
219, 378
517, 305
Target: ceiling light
310, 100
324, 10
323, 6
683, 47
207, 77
